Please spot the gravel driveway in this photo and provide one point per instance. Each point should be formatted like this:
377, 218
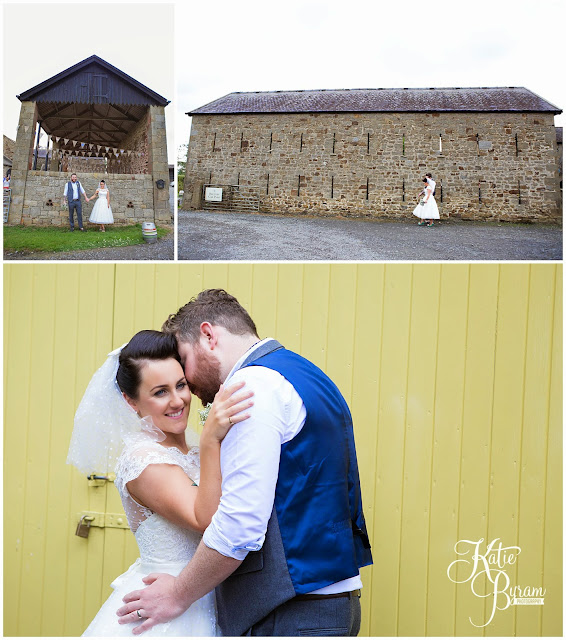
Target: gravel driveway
205, 235
163, 249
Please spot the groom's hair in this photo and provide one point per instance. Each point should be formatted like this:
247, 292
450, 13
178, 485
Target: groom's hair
214, 306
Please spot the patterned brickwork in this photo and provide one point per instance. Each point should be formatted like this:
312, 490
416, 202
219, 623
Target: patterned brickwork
131, 197
489, 166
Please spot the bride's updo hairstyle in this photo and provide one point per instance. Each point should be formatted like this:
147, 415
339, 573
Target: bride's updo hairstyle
145, 345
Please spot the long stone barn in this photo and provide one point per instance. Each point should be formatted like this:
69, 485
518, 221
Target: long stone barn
101, 124
363, 152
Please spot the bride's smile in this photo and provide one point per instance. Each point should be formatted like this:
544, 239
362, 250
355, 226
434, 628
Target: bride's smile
164, 395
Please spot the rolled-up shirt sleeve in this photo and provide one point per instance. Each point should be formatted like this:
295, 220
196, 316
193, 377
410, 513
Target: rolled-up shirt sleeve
249, 461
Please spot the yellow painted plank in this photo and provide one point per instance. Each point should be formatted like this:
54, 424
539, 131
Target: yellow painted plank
390, 442
263, 301
289, 305
341, 327
446, 446
476, 438
552, 611
507, 424
93, 291
61, 521
314, 321
167, 281
36, 497
421, 385
534, 442
365, 399
18, 313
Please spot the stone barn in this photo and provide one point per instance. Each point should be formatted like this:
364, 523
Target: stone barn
363, 152
101, 124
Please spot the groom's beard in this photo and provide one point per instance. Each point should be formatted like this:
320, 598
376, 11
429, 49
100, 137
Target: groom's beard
206, 380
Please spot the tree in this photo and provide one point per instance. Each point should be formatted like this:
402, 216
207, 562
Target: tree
181, 165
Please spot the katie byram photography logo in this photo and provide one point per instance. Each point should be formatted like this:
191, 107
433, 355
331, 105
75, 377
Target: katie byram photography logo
481, 564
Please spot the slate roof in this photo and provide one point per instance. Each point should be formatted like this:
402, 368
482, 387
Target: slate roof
93, 81
483, 99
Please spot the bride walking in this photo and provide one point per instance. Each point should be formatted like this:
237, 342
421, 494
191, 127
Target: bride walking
427, 209
133, 419
101, 212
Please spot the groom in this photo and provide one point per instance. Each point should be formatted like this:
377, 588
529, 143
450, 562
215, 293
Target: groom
73, 191
286, 544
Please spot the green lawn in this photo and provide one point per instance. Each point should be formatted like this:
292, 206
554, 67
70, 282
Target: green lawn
20, 238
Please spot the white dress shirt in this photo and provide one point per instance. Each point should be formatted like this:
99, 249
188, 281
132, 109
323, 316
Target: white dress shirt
75, 186
249, 460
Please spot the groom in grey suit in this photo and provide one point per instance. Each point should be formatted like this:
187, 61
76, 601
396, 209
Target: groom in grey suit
73, 191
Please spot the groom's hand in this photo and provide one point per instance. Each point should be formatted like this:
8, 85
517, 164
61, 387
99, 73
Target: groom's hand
159, 602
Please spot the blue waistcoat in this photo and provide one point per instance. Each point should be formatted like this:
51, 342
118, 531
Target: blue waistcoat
317, 534
70, 190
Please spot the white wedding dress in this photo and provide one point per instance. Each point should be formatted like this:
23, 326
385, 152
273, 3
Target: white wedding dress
428, 211
164, 548
101, 212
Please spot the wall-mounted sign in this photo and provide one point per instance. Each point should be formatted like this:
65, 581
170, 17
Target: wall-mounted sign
213, 194
485, 145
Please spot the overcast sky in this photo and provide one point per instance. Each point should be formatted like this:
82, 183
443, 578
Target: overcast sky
252, 45
136, 40
256, 45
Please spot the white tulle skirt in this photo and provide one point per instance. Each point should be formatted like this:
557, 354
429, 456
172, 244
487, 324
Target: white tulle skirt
198, 620
429, 211
101, 212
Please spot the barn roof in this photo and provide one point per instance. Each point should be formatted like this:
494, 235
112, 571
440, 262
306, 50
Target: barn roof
482, 99
91, 102
93, 81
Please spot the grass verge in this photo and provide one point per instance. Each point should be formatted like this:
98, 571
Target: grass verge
20, 238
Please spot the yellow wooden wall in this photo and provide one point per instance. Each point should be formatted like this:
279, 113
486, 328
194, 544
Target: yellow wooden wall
454, 377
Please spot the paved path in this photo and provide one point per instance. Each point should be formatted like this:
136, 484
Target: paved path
163, 249
205, 235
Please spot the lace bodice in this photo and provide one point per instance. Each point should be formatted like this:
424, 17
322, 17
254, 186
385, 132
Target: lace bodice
102, 193
158, 539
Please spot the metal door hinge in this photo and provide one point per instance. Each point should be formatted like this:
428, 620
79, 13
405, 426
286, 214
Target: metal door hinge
110, 520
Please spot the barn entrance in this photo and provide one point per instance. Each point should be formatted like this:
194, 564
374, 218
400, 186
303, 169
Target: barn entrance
98, 122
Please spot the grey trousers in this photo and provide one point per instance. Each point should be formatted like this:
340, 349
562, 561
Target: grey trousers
76, 204
329, 617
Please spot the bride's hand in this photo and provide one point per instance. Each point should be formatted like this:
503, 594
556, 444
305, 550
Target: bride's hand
229, 408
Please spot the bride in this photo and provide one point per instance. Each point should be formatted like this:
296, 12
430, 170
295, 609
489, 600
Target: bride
133, 419
427, 209
101, 212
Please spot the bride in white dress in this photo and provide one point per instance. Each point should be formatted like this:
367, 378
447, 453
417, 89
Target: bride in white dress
427, 209
157, 472
101, 212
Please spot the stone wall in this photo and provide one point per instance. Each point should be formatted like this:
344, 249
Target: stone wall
492, 166
131, 197
137, 141
79, 164
158, 163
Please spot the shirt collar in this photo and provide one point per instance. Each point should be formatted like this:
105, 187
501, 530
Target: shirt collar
244, 356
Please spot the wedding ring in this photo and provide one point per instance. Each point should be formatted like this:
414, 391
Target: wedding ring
139, 614
230, 421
